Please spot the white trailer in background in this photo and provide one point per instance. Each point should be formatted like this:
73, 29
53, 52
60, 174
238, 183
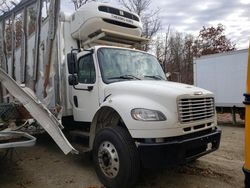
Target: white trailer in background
225, 75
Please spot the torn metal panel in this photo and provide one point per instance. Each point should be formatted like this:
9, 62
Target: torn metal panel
24, 47
18, 8
2, 46
38, 111
13, 45
37, 60
53, 19
2, 55
37, 40
57, 76
3, 60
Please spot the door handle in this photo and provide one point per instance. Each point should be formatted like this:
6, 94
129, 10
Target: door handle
89, 88
75, 101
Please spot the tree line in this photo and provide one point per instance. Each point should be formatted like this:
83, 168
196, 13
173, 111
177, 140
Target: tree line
176, 51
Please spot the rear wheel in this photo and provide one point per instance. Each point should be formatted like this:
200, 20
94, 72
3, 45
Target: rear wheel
116, 158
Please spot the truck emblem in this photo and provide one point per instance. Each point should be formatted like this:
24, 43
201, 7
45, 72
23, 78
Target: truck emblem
198, 93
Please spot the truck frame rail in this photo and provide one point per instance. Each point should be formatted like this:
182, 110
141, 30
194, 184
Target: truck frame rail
10, 139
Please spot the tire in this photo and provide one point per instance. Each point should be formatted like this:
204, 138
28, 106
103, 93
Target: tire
116, 158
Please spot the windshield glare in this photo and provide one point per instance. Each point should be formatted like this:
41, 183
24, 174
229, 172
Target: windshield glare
119, 64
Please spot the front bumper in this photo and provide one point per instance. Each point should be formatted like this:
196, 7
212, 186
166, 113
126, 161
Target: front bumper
179, 150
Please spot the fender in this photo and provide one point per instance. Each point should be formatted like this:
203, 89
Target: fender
123, 104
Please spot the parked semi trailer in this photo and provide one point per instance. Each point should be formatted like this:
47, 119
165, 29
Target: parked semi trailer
84, 70
225, 75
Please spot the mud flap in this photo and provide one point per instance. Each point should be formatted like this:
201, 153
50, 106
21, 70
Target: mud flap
38, 111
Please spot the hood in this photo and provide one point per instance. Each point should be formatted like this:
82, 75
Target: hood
154, 87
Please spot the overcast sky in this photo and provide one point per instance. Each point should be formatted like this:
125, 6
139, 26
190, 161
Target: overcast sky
190, 15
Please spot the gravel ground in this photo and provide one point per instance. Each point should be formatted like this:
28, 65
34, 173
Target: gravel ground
45, 166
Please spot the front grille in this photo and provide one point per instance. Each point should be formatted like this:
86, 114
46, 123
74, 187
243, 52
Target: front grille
118, 12
195, 109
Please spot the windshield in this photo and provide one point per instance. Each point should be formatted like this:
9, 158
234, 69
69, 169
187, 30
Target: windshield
120, 64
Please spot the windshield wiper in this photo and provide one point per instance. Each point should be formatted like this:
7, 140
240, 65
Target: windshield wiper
127, 77
157, 77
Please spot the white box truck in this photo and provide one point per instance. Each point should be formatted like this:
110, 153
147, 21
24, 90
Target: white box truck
84, 68
225, 75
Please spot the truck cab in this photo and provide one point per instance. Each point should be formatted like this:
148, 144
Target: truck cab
126, 97
137, 118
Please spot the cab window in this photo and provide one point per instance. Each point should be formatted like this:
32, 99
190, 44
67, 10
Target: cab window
86, 70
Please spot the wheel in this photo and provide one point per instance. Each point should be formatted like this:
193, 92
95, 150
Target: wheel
116, 158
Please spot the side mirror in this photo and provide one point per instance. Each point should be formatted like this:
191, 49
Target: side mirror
73, 80
72, 63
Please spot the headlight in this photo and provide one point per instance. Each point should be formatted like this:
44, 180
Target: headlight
142, 114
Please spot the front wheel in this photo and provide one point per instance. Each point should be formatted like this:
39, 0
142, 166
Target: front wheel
116, 158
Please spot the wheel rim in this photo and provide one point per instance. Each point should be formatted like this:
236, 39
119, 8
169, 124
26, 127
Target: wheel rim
108, 159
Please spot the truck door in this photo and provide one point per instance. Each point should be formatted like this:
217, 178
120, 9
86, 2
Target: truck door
85, 93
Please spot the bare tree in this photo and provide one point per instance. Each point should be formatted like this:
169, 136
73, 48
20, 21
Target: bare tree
162, 47
174, 51
149, 17
179, 60
137, 6
79, 3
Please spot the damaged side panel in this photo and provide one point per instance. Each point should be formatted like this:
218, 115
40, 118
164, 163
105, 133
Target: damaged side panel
44, 117
31, 59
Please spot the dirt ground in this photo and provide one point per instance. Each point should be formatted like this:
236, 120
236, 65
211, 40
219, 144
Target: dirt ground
45, 166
